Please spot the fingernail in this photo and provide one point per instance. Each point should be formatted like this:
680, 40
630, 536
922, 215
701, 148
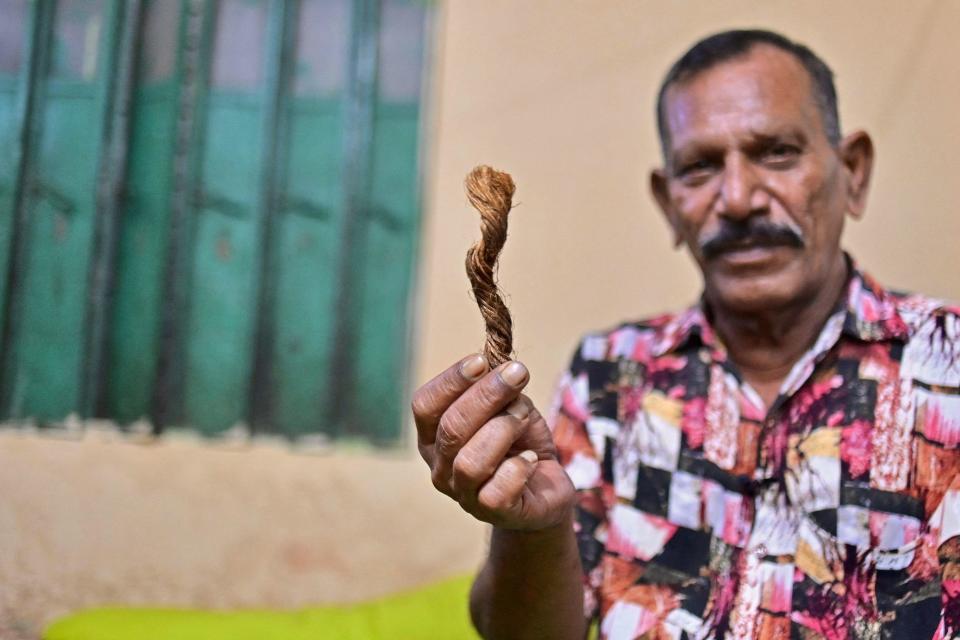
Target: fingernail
529, 456
473, 367
514, 374
518, 409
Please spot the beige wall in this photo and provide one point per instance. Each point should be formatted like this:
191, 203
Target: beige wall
560, 94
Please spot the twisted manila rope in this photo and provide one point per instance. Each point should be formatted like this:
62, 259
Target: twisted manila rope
491, 193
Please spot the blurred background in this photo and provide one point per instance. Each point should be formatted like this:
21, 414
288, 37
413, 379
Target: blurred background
232, 238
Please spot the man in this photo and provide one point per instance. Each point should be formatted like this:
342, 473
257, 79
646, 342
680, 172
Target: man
778, 461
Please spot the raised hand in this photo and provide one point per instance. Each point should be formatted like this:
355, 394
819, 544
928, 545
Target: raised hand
489, 448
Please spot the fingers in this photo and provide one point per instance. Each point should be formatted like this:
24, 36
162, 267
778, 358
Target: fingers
433, 398
526, 493
503, 492
479, 458
478, 404
470, 423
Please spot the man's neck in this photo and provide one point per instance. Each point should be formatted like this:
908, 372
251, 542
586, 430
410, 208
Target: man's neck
765, 346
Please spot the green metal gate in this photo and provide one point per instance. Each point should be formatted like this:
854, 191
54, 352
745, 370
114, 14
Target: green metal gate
214, 212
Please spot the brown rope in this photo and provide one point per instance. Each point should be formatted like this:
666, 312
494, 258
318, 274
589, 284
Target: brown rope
491, 193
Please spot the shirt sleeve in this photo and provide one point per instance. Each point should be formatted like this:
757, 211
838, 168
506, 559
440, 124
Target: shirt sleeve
936, 358
583, 437
945, 525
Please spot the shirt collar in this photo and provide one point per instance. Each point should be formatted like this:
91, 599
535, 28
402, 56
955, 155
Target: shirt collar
870, 315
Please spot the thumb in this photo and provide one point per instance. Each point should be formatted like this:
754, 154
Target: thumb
531, 458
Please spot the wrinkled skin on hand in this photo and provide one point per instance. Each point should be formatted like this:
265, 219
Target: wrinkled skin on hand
489, 448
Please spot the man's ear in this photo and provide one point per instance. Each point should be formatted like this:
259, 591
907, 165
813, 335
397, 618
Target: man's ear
856, 154
660, 189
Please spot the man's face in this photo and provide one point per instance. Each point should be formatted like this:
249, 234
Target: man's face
751, 184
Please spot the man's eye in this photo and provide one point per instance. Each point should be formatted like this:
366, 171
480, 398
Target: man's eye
780, 153
697, 168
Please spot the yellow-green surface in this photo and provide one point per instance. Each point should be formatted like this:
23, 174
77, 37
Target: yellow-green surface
437, 612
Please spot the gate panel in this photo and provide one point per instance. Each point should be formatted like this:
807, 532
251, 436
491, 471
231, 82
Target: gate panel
383, 323
391, 225
142, 245
60, 204
13, 67
243, 253
310, 218
221, 316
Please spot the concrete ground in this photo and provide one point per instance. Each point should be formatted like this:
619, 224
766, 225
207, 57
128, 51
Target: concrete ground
101, 519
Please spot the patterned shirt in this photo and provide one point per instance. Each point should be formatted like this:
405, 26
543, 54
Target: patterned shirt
834, 513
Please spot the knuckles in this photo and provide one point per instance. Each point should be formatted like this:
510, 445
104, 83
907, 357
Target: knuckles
449, 441
431, 400
469, 471
440, 481
492, 391
426, 453
465, 467
423, 404
499, 496
493, 499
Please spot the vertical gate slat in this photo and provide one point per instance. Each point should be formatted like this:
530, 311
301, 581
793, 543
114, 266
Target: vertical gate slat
282, 17
390, 225
144, 235
307, 234
358, 144
110, 179
197, 30
220, 325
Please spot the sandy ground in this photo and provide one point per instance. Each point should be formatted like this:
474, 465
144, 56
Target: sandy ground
98, 519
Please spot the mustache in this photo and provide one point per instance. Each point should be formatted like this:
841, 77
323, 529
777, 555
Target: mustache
734, 235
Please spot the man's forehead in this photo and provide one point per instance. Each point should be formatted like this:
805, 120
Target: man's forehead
764, 86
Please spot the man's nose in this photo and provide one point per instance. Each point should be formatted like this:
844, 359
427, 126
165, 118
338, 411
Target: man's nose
741, 195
